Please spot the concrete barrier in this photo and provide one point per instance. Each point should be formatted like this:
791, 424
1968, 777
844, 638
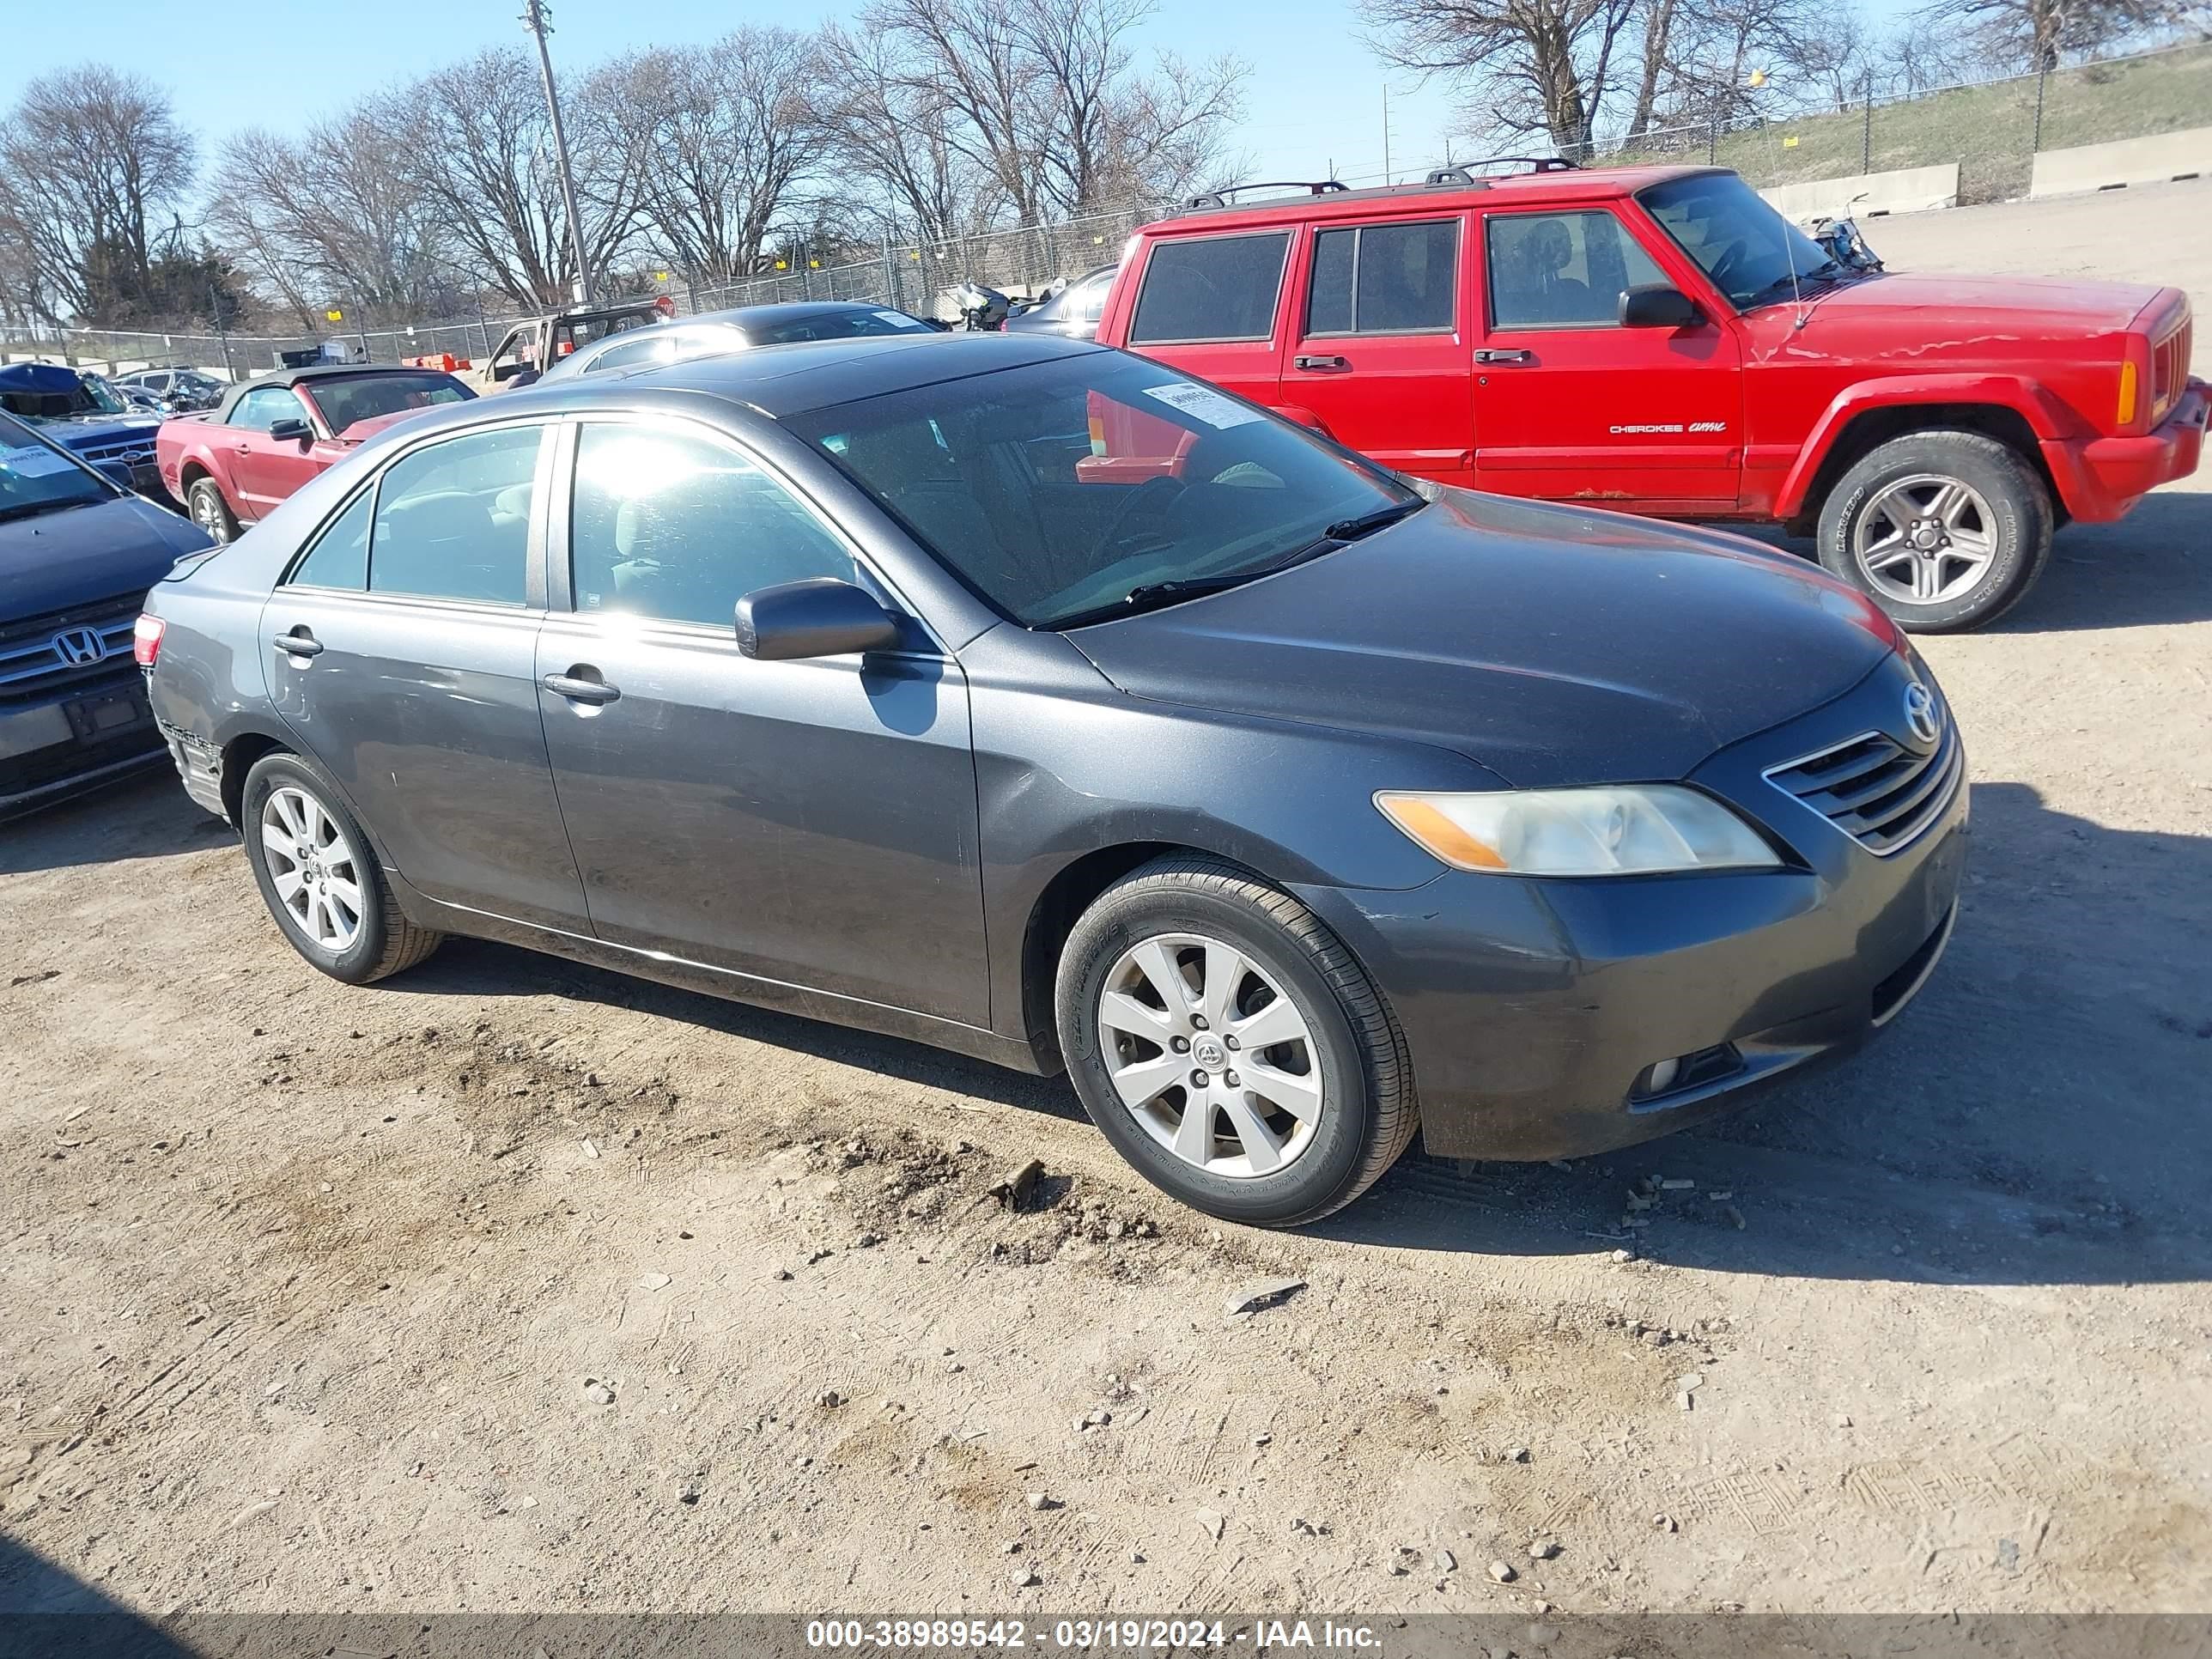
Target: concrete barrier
1869, 195
2150, 161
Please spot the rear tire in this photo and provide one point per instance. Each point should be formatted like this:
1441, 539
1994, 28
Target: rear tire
1294, 1124
205, 502
1945, 531
318, 874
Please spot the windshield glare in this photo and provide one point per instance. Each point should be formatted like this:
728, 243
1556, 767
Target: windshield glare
1744, 245
835, 325
37, 477
1057, 489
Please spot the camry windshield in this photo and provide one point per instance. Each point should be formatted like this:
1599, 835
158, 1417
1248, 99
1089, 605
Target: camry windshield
1083, 489
36, 477
1746, 247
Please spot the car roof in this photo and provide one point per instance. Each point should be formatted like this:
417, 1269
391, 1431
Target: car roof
785, 311
285, 379
791, 380
1207, 214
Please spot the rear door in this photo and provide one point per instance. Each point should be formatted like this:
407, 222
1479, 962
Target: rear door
1209, 306
402, 652
1383, 357
1569, 404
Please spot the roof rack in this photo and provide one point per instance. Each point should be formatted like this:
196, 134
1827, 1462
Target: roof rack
1219, 199
1534, 163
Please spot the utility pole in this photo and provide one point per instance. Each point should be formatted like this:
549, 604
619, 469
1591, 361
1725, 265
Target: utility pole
1386, 178
534, 18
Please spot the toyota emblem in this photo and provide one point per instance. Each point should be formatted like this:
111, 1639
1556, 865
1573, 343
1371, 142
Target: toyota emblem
1920, 717
78, 646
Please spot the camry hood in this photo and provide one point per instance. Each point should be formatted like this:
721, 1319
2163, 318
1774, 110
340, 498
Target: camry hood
1555, 646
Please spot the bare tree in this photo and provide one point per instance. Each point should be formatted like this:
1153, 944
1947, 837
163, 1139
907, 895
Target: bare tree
1524, 66
725, 132
1832, 56
2035, 33
896, 138
92, 162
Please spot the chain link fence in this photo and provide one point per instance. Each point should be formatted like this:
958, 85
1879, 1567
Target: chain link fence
1992, 129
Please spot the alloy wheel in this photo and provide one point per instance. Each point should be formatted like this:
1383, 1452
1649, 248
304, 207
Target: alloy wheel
1212, 1057
1926, 539
313, 867
208, 514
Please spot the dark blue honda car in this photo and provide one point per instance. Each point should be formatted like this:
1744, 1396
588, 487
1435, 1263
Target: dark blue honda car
78, 553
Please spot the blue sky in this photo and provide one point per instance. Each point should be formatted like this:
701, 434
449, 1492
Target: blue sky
1315, 95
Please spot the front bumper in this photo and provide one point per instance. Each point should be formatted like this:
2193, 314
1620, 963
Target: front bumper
62, 745
1531, 1008
2100, 478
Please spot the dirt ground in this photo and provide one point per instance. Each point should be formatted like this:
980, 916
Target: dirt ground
511, 1285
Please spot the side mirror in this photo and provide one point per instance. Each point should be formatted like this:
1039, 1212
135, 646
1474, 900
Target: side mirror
1658, 305
823, 617
291, 431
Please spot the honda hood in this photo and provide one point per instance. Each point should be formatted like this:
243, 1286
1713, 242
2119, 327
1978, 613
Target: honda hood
1555, 646
61, 559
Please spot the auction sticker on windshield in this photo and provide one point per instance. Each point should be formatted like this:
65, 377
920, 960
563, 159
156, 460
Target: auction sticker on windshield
1204, 403
33, 462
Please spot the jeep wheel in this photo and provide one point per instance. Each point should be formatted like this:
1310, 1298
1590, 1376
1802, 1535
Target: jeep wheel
1945, 530
1229, 1047
210, 512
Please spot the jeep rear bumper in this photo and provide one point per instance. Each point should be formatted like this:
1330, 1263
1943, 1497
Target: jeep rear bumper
2100, 478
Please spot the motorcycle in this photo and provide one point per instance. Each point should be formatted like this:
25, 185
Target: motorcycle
981, 309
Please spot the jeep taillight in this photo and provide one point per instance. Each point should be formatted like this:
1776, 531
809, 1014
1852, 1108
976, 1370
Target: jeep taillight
146, 640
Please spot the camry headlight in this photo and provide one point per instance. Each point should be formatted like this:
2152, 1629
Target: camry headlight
1624, 830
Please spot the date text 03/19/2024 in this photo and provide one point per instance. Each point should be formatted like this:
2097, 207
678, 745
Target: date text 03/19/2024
1085, 1634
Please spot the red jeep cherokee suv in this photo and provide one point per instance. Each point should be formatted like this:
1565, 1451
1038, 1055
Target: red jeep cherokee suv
1661, 339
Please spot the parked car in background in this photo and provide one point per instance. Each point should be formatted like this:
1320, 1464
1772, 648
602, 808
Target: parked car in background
1073, 312
736, 330
269, 436
78, 553
86, 416
177, 391
1281, 805
1659, 338
532, 347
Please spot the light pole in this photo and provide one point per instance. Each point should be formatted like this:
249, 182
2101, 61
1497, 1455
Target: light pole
534, 18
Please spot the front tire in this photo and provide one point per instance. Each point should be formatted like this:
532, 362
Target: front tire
1945, 531
1229, 1047
319, 876
210, 512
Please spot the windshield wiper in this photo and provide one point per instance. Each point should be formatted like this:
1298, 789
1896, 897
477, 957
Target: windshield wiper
33, 509
1146, 596
1825, 268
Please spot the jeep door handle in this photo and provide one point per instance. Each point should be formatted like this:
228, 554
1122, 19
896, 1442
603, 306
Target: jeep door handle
299, 643
580, 688
1493, 355
1321, 365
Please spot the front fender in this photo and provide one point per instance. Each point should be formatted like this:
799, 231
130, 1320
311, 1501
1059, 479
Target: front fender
2047, 416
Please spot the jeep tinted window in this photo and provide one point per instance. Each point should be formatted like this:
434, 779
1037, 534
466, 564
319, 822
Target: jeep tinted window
1384, 279
1212, 288
1562, 270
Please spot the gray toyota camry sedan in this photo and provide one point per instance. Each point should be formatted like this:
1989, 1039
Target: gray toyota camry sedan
1031, 700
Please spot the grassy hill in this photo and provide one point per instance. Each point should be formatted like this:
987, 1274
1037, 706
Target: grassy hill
1989, 131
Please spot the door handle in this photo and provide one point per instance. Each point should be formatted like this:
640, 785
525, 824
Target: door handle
580, 684
1492, 354
1321, 365
299, 643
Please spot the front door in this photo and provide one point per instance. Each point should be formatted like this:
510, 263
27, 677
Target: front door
402, 652
811, 823
1382, 354
264, 471
1571, 405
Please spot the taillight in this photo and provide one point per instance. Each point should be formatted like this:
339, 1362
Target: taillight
146, 640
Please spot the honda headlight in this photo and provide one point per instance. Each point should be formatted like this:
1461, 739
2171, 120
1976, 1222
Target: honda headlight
1627, 830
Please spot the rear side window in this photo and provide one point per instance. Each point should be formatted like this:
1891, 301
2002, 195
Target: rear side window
452, 519
629, 356
339, 557
1212, 288
1563, 270
1384, 279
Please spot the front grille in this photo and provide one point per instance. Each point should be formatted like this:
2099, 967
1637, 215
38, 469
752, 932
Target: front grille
136, 451
1874, 789
2169, 370
55, 651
